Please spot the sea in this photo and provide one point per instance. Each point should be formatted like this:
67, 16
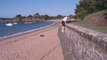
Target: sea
18, 28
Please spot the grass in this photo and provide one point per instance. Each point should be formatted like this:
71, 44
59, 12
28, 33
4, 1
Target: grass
96, 28
96, 13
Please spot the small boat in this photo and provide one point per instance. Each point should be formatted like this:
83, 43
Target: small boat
26, 22
9, 24
15, 23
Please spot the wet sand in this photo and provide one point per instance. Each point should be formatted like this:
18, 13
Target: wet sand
39, 45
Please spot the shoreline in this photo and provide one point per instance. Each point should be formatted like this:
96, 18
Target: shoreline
24, 35
26, 32
40, 45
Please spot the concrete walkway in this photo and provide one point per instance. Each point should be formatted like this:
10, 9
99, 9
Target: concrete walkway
42, 45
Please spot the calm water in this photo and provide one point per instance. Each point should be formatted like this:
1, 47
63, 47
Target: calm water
20, 28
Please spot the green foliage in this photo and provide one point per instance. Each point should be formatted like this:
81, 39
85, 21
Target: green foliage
86, 7
30, 17
46, 17
103, 12
96, 28
59, 16
19, 16
37, 16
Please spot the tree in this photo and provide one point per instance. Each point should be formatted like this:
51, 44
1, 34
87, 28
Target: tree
105, 4
86, 7
37, 15
19, 16
59, 16
30, 16
46, 17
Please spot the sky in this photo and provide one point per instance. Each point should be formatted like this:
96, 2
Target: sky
10, 8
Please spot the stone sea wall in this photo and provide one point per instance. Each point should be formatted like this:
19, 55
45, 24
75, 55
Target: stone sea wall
83, 44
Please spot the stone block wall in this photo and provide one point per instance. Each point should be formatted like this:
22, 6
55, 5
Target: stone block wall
83, 44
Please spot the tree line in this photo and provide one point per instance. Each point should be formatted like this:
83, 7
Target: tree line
86, 7
36, 16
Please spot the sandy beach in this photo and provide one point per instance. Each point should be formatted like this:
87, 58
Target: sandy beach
39, 45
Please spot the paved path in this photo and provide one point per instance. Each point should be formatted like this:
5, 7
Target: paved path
42, 45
